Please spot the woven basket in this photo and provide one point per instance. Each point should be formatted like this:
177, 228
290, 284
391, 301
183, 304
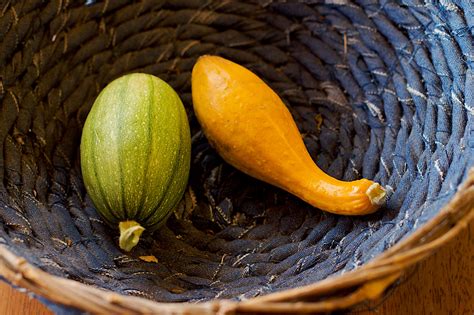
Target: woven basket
379, 89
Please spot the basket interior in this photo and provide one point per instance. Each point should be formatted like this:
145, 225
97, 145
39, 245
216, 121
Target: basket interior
378, 90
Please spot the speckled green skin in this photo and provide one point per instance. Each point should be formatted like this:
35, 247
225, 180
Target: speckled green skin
136, 150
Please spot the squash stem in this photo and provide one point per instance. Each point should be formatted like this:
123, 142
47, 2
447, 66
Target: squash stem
130, 232
377, 194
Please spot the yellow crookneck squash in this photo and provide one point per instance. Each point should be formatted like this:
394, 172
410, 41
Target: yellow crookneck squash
251, 128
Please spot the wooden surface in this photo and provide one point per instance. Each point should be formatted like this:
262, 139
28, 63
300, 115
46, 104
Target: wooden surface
443, 284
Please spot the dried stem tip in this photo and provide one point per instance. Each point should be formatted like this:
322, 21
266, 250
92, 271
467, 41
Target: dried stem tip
376, 194
130, 232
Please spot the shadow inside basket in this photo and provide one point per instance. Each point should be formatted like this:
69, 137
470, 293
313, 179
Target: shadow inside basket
233, 236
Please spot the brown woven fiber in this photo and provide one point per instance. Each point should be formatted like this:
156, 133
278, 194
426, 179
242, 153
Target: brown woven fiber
379, 89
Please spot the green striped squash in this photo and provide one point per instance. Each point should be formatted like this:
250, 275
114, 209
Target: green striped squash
135, 154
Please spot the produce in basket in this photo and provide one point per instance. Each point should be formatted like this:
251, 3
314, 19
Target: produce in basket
135, 154
251, 128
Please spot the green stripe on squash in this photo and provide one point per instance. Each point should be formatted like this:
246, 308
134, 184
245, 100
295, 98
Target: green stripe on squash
135, 153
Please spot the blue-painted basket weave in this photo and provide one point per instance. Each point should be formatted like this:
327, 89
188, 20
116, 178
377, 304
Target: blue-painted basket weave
391, 81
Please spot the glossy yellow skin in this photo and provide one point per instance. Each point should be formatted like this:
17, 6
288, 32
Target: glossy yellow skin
251, 128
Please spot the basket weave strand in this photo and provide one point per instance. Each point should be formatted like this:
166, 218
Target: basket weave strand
379, 89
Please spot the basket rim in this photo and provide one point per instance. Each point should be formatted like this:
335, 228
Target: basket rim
368, 282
